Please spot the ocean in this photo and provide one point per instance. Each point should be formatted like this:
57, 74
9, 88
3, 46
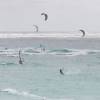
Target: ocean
39, 77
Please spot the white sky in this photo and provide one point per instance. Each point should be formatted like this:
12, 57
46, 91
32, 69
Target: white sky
64, 15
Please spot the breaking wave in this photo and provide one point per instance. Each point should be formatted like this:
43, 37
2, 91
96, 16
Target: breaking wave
21, 93
39, 51
27, 94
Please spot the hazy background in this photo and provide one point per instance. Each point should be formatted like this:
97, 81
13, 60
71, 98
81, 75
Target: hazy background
64, 15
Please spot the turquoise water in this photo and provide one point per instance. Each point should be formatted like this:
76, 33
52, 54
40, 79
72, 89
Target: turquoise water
38, 78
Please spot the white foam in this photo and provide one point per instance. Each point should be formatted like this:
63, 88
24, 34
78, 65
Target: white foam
72, 72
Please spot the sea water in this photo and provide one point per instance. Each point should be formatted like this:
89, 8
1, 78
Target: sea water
39, 78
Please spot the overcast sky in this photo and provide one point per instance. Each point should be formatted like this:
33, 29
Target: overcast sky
64, 15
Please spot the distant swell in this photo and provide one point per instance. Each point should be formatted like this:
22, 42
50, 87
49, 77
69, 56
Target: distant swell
46, 35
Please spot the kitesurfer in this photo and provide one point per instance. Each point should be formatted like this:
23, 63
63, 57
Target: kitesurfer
20, 59
61, 71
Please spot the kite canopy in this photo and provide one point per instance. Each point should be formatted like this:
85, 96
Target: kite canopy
81, 30
45, 16
36, 28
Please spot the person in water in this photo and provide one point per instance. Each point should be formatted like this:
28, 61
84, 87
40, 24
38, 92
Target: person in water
42, 48
61, 71
20, 59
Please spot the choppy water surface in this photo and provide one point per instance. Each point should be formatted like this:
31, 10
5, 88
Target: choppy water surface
38, 78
